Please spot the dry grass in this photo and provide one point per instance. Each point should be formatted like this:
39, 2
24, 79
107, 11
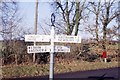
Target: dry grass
61, 66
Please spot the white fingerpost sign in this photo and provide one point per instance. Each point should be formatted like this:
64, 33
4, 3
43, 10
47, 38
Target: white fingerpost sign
52, 38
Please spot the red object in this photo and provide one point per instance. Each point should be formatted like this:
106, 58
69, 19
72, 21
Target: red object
104, 54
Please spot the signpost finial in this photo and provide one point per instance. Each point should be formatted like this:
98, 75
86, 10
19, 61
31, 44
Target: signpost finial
53, 19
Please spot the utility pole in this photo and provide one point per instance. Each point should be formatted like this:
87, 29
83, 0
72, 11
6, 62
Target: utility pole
35, 27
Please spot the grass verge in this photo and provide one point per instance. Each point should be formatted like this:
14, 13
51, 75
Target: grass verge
59, 67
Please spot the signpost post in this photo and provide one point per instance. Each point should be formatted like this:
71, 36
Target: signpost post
52, 54
52, 38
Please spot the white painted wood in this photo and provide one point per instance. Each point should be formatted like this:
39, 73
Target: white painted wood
59, 48
37, 38
67, 39
38, 49
57, 38
52, 53
47, 48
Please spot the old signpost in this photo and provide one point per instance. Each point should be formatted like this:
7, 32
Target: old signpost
52, 38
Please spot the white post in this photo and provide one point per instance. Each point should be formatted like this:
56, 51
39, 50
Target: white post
52, 55
105, 59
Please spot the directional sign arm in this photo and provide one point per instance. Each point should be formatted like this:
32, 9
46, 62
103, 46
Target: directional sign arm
47, 48
38, 49
67, 39
37, 38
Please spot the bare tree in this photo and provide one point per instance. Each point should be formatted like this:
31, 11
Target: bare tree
10, 25
72, 14
108, 13
95, 8
10, 19
105, 13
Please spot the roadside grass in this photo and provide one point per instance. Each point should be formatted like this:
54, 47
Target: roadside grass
59, 67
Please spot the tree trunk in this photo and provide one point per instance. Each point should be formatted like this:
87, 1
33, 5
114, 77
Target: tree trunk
104, 37
105, 23
67, 19
77, 17
16, 59
96, 29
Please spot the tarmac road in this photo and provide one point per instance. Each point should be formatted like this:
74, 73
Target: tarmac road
101, 74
